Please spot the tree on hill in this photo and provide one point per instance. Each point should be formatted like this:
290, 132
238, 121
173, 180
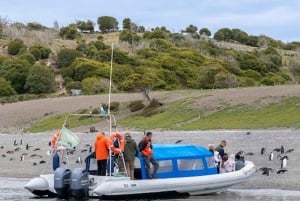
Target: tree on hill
107, 24
240, 36
191, 29
15, 71
204, 31
69, 32
66, 56
85, 26
129, 36
35, 26
5, 88
41, 79
224, 34
127, 23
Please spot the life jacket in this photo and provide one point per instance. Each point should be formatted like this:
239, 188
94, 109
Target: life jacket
55, 138
145, 147
117, 143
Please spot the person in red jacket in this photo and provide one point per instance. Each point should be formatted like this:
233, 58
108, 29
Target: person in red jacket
145, 147
102, 153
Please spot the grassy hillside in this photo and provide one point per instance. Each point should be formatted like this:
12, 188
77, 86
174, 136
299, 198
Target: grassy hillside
244, 108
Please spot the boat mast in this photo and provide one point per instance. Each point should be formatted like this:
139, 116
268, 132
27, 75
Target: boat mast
109, 99
110, 77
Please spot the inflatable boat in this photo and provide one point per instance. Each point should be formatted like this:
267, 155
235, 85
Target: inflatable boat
183, 170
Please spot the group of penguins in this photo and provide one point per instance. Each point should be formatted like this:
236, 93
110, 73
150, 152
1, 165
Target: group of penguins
282, 155
18, 146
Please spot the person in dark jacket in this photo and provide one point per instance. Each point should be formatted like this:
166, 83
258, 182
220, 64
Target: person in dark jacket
130, 152
221, 147
239, 163
145, 147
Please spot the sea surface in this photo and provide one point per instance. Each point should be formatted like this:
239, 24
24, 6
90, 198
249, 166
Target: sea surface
13, 189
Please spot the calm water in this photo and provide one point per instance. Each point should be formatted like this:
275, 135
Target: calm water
12, 189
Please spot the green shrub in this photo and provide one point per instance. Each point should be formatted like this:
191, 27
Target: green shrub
136, 105
28, 57
14, 46
5, 88
40, 52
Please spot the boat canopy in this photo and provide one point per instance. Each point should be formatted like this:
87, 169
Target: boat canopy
183, 151
181, 160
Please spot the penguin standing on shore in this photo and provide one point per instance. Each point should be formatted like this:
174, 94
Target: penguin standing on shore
262, 151
271, 156
284, 162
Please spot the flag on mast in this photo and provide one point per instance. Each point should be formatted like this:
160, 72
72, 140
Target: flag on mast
68, 138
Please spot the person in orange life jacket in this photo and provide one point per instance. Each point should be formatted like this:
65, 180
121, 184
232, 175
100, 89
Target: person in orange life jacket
102, 152
145, 147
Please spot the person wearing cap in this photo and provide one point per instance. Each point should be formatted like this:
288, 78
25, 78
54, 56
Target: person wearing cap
145, 147
130, 152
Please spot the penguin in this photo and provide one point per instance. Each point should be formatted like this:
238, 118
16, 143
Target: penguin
34, 164
88, 145
284, 162
22, 157
41, 162
248, 133
262, 151
21, 141
2, 147
290, 150
281, 149
249, 154
281, 171
36, 149
79, 160
271, 156
84, 150
48, 153
266, 171
15, 143
178, 141
17, 149
276, 149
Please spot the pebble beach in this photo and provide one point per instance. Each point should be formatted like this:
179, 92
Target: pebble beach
35, 158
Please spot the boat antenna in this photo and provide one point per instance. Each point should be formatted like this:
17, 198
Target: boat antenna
110, 77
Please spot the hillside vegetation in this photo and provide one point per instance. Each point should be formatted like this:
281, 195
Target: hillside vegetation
36, 61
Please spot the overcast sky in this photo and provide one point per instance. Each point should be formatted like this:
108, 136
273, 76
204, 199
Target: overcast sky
279, 19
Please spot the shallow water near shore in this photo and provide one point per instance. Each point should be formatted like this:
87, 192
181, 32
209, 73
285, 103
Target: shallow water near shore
13, 189
283, 187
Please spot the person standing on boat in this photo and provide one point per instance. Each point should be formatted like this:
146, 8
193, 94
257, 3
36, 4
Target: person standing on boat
221, 147
217, 158
145, 147
130, 152
102, 152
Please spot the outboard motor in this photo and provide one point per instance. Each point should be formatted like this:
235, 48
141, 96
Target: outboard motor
62, 178
80, 184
